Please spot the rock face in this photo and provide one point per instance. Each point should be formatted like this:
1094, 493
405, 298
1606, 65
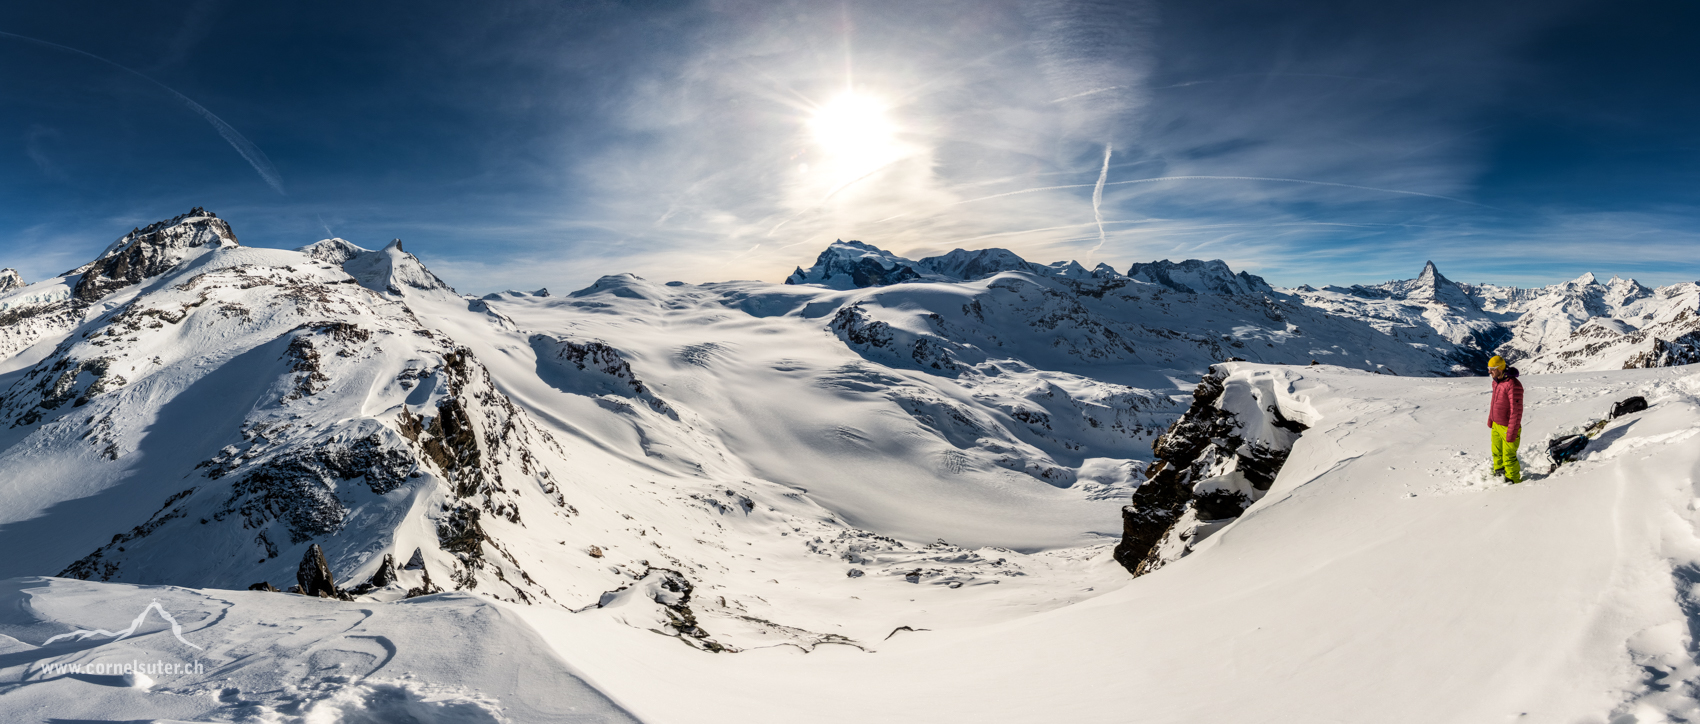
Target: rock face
1221, 456
314, 575
150, 251
964, 265
1683, 350
855, 265
10, 279
1193, 276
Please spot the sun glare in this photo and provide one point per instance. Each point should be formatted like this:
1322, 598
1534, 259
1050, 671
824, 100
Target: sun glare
854, 131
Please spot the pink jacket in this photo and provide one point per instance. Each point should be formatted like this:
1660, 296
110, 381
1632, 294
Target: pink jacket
1507, 408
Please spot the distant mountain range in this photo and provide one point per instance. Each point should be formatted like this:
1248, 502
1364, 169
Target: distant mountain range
1580, 324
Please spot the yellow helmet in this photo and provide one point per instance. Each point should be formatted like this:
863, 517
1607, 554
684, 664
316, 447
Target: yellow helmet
1497, 363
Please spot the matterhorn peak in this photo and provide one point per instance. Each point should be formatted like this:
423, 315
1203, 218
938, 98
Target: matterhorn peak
1431, 274
10, 279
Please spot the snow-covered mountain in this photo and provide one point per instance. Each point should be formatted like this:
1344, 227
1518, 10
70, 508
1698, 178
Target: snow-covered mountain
895, 459
1584, 324
1200, 277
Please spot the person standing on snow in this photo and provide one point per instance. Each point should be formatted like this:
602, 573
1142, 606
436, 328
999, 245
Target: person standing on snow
1505, 419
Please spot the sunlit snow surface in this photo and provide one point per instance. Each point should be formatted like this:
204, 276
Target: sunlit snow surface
1383, 578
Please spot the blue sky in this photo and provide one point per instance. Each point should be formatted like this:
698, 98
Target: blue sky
519, 145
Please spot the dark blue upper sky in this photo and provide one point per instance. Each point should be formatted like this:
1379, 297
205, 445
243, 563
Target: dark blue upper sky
546, 144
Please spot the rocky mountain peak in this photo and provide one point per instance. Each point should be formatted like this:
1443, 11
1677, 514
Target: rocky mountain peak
1196, 276
10, 279
389, 270
965, 265
855, 265
152, 250
1430, 287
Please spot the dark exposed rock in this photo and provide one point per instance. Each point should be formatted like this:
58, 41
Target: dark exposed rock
426, 587
864, 264
149, 252
1206, 277
299, 485
383, 577
1683, 350
264, 586
416, 562
314, 575
1206, 443
856, 327
68, 383
672, 591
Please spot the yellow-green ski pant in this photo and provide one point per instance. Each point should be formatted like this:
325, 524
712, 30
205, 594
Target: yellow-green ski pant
1505, 454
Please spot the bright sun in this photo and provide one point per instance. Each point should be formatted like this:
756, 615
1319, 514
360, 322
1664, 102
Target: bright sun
854, 132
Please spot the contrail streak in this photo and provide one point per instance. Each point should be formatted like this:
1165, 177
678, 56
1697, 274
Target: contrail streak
1300, 181
1226, 178
249, 151
1098, 202
1087, 93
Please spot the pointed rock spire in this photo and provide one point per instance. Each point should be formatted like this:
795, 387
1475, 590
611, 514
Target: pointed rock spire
314, 574
10, 279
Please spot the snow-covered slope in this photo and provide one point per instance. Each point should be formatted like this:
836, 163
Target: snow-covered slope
209, 424
1379, 568
883, 472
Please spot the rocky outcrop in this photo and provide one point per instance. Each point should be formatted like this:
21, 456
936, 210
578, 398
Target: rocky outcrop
384, 577
10, 279
314, 575
1221, 456
853, 324
660, 600
1683, 350
150, 251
